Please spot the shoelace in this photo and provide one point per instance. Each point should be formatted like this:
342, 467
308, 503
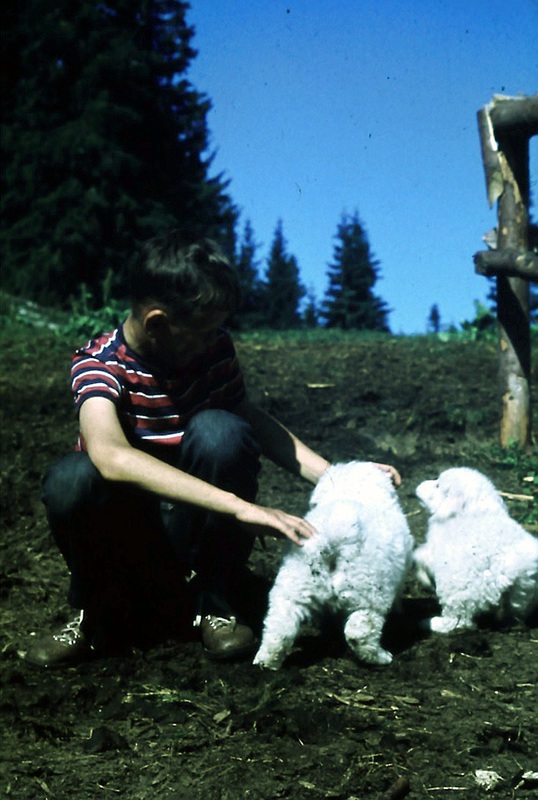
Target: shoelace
216, 622
70, 632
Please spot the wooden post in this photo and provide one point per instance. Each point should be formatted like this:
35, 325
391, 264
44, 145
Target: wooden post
513, 311
505, 126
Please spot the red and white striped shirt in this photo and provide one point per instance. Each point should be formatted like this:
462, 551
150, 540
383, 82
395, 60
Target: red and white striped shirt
154, 408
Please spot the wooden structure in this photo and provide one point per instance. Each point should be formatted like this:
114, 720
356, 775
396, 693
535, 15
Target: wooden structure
505, 127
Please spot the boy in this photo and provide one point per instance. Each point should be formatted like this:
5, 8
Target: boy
164, 478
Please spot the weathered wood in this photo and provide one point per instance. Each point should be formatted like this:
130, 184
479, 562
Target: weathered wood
505, 126
490, 156
514, 116
514, 361
507, 262
513, 310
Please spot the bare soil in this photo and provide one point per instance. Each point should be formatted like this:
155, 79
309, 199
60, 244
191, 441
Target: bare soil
448, 715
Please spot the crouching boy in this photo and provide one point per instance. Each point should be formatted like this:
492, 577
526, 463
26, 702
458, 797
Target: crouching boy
163, 481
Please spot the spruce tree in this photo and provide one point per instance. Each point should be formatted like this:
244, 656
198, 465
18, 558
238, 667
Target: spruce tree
283, 290
434, 320
533, 303
311, 311
104, 141
247, 265
349, 301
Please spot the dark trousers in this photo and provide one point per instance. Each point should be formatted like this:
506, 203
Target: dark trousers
128, 551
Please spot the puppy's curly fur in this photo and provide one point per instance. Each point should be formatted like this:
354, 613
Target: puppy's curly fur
478, 559
356, 564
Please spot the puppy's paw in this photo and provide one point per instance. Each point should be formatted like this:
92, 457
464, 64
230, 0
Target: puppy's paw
381, 657
448, 624
267, 661
377, 656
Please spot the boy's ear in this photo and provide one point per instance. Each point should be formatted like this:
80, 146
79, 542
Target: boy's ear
155, 321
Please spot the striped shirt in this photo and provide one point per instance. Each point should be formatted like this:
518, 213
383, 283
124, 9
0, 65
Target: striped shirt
153, 407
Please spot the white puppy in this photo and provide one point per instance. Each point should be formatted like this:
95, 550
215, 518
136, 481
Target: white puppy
356, 564
475, 556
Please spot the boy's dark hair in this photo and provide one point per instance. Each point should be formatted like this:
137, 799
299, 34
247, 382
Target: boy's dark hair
184, 277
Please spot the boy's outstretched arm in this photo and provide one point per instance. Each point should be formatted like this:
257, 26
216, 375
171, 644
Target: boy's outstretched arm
116, 460
284, 448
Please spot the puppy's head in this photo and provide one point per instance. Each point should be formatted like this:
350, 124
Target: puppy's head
457, 491
353, 480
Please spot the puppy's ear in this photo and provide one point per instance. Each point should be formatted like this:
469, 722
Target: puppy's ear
453, 502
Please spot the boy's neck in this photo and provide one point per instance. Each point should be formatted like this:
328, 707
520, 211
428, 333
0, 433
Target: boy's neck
136, 337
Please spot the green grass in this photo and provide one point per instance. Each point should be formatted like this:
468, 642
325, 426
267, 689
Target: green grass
83, 321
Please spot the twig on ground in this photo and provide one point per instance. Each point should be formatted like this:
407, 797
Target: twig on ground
527, 498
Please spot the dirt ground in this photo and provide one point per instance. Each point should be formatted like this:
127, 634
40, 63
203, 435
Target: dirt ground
452, 717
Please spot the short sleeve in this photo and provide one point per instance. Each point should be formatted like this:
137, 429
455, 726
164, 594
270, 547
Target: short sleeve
90, 377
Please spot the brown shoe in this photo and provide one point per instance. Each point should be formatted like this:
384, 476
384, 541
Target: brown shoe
225, 638
62, 648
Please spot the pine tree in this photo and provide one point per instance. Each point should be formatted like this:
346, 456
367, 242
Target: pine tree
311, 311
349, 301
283, 290
533, 303
434, 320
492, 295
104, 141
247, 265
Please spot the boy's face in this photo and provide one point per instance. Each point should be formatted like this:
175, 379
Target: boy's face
176, 342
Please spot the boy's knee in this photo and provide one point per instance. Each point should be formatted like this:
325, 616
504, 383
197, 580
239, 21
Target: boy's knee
70, 483
220, 436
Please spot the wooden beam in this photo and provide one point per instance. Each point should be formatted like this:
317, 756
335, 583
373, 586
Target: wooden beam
514, 116
490, 156
507, 262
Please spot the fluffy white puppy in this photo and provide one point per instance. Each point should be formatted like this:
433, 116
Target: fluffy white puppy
475, 556
356, 564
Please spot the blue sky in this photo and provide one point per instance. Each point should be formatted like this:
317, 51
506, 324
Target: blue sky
321, 109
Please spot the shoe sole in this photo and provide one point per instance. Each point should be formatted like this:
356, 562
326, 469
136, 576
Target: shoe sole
231, 655
73, 661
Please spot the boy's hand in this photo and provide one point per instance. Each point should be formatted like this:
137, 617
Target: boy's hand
393, 472
265, 521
